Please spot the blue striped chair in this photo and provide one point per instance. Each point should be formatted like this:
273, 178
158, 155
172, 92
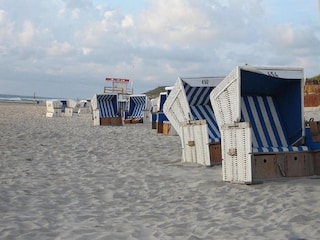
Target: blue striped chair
136, 105
107, 105
268, 131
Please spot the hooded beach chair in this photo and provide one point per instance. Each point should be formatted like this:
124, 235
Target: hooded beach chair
160, 116
189, 111
260, 115
105, 109
54, 108
139, 107
84, 106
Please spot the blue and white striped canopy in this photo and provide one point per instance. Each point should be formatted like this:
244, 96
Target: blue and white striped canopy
136, 106
107, 105
201, 109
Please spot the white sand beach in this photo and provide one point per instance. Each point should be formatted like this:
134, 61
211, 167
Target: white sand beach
63, 178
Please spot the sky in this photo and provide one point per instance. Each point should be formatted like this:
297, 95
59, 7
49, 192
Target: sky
66, 48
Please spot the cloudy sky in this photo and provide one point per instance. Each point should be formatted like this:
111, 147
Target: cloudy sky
66, 48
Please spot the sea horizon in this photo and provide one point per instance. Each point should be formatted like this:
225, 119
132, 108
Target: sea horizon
23, 98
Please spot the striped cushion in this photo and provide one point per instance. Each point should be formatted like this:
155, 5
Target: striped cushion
107, 105
280, 149
268, 130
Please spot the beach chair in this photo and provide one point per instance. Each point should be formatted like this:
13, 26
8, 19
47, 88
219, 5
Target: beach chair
70, 107
84, 107
260, 115
54, 108
161, 117
189, 111
139, 107
105, 109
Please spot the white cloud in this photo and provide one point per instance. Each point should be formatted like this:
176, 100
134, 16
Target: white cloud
86, 51
127, 22
75, 13
60, 49
6, 28
177, 22
27, 35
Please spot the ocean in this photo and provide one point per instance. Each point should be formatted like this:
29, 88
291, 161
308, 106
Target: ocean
22, 99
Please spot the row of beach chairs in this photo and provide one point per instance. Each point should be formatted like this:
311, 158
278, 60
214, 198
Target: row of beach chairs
251, 121
109, 110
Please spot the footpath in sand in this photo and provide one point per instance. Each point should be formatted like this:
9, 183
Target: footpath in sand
63, 178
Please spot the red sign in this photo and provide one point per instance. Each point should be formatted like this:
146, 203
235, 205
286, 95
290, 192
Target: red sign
117, 79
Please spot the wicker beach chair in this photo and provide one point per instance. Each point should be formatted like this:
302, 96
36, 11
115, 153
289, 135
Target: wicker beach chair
260, 115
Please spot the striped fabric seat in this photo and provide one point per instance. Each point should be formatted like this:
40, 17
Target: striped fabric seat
201, 109
107, 105
137, 105
268, 130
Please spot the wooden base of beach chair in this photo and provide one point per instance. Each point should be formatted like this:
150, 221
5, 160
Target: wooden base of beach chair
154, 125
270, 166
127, 121
215, 153
113, 121
265, 167
138, 120
167, 128
299, 165
316, 162
160, 128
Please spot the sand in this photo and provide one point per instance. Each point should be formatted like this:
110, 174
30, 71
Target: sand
63, 178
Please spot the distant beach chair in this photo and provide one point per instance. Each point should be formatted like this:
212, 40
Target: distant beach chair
189, 111
54, 108
160, 116
84, 107
105, 109
139, 107
163, 125
260, 114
